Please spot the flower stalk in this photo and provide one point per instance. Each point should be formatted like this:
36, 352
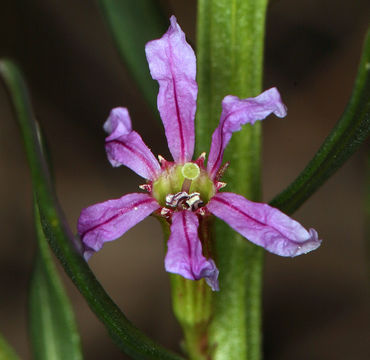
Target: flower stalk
192, 301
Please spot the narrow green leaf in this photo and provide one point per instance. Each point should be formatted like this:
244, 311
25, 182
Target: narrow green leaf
53, 329
367, 213
350, 132
61, 239
6, 352
132, 24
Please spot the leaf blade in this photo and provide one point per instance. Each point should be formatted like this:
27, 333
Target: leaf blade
351, 130
60, 237
52, 325
125, 21
6, 351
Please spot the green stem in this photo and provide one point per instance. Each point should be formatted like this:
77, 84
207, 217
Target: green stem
230, 56
192, 303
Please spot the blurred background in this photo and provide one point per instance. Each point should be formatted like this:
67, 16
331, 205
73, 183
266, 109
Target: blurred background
315, 306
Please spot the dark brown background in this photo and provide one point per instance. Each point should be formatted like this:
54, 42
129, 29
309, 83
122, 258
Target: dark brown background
315, 306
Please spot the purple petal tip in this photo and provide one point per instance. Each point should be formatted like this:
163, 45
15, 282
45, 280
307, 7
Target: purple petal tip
87, 254
280, 109
173, 21
264, 225
211, 276
312, 243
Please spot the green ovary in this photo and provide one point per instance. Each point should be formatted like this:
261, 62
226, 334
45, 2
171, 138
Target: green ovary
171, 182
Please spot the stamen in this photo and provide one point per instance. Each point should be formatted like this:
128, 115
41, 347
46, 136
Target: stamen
194, 201
183, 200
173, 200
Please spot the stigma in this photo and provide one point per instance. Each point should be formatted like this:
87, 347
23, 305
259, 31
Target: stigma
190, 171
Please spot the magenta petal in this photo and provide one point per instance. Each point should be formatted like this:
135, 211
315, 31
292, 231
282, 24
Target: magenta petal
237, 112
109, 220
184, 251
264, 225
125, 146
172, 62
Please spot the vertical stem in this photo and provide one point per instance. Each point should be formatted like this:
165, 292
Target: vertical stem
230, 56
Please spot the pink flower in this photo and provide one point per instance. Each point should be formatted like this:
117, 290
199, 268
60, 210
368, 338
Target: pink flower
185, 192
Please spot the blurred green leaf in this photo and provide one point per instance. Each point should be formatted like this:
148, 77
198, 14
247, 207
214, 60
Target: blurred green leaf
53, 329
367, 212
6, 352
349, 133
65, 245
132, 24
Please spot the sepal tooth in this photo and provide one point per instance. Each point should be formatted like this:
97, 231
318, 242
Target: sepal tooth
166, 213
146, 187
202, 211
162, 161
220, 185
221, 170
200, 160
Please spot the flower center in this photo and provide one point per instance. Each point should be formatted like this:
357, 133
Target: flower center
183, 186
